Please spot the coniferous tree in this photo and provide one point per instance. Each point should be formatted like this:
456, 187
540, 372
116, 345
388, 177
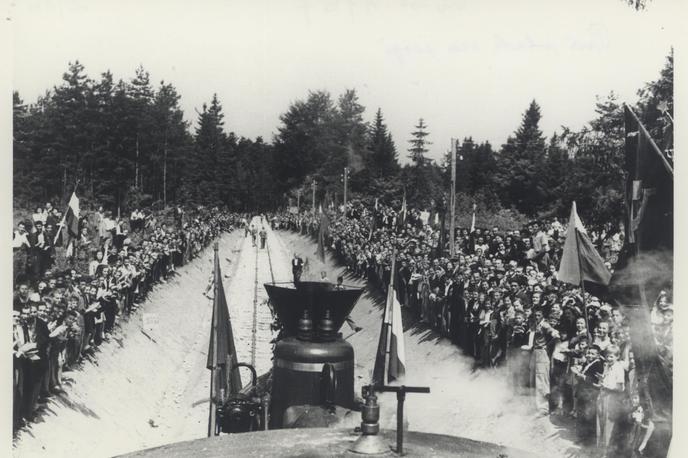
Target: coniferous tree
201, 183
170, 139
520, 164
419, 144
383, 153
351, 128
141, 94
70, 124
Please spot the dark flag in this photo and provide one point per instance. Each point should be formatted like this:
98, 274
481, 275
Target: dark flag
645, 265
580, 260
322, 232
222, 358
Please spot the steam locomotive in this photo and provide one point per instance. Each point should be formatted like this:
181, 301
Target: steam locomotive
299, 407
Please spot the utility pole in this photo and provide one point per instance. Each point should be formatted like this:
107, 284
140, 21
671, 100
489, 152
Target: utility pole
164, 171
313, 186
346, 182
452, 198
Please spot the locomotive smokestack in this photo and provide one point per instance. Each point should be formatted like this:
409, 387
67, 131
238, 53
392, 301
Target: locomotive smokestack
312, 364
327, 308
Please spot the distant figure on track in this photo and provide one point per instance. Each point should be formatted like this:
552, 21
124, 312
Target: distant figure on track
263, 237
297, 268
254, 232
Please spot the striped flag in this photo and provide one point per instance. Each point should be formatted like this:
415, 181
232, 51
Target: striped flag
391, 338
402, 212
397, 355
70, 221
473, 220
72, 216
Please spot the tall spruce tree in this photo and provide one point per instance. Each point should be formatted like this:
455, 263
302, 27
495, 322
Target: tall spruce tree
170, 141
201, 184
141, 94
419, 144
520, 165
383, 153
351, 128
70, 124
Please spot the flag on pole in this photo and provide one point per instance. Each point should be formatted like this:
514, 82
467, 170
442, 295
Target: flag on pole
580, 260
72, 216
70, 221
322, 232
402, 212
391, 343
645, 265
473, 220
222, 357
397, 355
373, 226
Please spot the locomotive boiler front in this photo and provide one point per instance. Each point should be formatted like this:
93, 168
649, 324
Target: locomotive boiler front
313, 365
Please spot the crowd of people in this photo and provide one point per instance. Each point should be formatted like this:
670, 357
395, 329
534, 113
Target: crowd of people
499, 299
70, 291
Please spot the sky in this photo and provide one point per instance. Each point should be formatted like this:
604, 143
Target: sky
468, 68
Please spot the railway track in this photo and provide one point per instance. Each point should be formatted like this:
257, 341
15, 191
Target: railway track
260, 324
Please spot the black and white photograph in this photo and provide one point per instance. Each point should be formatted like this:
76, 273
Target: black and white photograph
342, 228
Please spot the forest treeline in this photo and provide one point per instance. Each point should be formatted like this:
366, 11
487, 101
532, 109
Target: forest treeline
126, 143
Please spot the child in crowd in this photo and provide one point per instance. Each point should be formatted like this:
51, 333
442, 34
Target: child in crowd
610, 399
586, 394
560, 363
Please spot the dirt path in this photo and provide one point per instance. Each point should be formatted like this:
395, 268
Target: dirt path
474, 404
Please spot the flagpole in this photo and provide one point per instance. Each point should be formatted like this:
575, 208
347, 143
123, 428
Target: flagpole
652, 142
580, 274
390, 305
212, 414
452, 199
379, 372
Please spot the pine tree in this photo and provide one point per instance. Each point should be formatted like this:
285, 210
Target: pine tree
210, 143
418, 144
170, 139
520, 164
383, 153
71, 124
141, 94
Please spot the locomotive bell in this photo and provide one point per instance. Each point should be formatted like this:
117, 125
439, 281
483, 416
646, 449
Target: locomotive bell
312, 315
